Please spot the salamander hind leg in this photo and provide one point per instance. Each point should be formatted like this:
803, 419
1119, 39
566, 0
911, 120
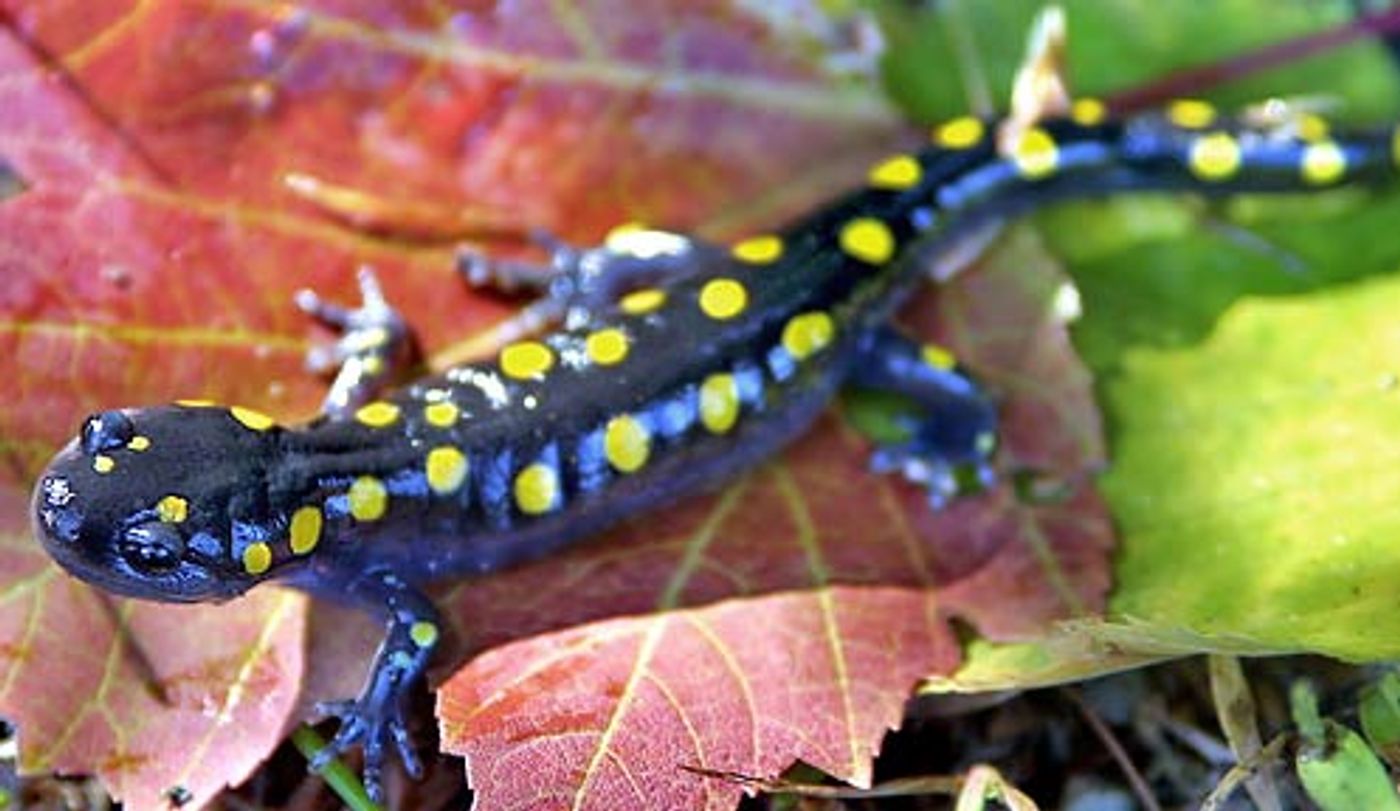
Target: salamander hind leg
375, 720
375, 345
955, 429
575, 284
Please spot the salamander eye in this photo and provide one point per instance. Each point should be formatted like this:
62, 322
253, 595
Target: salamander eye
106, 431
152, 548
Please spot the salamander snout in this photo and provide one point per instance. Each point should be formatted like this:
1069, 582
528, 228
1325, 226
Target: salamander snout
147, 503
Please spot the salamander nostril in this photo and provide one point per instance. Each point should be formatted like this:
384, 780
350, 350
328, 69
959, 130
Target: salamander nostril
106, 430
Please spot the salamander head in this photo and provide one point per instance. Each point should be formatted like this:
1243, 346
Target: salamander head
147, 503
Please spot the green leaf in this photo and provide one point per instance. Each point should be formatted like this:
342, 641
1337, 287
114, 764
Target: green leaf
1254, 474
1379, 708
1337, 769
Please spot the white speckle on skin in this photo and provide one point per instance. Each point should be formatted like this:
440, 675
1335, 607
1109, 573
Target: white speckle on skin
488, 383
57, 492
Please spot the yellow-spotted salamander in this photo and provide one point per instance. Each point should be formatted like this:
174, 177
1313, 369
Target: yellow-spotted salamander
676, 363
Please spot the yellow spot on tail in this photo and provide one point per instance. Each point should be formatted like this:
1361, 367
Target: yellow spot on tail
1323, 162
377, 415
626, 443
305, 530
761, 250
441, 414
103, 463
719, 403
807, 334
423, 634
526, 360
254, 420
1088, 112
536, 489
723, 298
1313, 128
897, 173
257, 558
938, 357
1215, 156
642, 302
446, 468
867, 239
195, 403
1191, 114
606, 347
368, 499
960, 133
139, 443
1035, 154
172, 510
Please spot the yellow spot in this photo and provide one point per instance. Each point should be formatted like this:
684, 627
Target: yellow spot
626, 443
446, 468
616, 239
960, 133
807, 334
377, 415
1215, 156
441, 414
1088, 112
305, 530
1323, 163
606, 347
195, 403
372, 365
1313, 128
938, 357
536, 489
897, 173
723, 298
255, 420
1191, 114
867, 239
103, 463
257, 558
527, 360
1035, 154
139, 443
642, 302
172, 510
368, 499
758, 250
719, 403
423, 634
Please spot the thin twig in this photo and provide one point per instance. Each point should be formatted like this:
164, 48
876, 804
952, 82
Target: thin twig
1115, 749
1193, 80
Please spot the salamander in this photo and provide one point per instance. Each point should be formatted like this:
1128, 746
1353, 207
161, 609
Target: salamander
675, 363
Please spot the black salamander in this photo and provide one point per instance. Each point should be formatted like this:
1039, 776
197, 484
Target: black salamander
677, 364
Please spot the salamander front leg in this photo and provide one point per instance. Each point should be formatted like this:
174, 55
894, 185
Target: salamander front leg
376, 718
957, 427
375, 345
